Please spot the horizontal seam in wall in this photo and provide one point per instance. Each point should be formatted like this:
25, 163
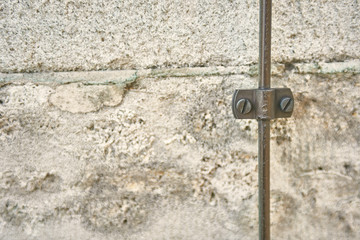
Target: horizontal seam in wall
123, 77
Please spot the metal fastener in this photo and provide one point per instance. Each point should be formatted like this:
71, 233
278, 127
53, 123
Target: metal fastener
286, 104
243, 106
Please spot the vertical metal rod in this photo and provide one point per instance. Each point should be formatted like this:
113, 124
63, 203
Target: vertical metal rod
264, 179
264, 125
265, 44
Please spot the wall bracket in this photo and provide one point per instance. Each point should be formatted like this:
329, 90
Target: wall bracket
262, 104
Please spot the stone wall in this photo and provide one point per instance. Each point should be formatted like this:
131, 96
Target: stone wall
75, 35
148, 149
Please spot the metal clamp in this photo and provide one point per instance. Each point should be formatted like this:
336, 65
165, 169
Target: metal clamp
263, 104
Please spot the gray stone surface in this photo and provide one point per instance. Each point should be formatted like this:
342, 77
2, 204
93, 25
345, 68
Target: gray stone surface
96, 35
147, 148
166, 160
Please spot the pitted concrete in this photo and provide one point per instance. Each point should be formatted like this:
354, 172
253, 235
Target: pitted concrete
115, 120
162, 157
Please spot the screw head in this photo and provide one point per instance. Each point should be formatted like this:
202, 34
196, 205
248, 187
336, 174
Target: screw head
287, 104
243, 106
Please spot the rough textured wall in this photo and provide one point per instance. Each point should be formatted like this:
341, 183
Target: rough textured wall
146, 153
70, 35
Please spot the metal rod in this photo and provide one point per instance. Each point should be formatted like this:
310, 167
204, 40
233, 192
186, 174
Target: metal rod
265, 44
264, 125
264, 179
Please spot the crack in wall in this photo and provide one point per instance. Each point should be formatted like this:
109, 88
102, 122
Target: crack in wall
125, 77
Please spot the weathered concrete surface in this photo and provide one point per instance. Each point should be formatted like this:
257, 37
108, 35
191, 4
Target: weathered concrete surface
152, 151
73, 35
166, 160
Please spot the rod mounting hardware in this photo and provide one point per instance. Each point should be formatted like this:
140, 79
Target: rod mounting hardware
263, 104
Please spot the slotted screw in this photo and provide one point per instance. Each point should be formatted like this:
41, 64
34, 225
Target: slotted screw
243, 106
287, 104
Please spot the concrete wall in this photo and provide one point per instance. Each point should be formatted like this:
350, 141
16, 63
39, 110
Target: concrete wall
148, 149
78, 35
